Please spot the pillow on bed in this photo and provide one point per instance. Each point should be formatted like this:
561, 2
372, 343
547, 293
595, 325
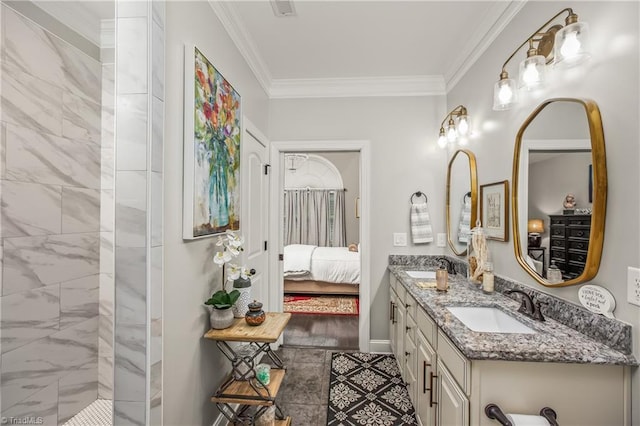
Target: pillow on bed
353, 247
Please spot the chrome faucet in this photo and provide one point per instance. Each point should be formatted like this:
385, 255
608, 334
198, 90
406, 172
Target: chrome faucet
529, 307
450, 267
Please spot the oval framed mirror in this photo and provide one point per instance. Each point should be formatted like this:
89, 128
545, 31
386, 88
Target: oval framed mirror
559, 192
462, 199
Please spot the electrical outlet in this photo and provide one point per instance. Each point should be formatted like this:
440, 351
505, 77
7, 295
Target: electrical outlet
442, 240
399, 239
633, 285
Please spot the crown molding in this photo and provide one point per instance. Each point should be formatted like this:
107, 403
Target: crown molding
429, 85
243, 41
493, 24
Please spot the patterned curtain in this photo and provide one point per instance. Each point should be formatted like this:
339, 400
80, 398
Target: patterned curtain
314, 217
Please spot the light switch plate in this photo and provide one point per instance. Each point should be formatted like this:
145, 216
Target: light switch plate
633, 285
442, 240
399, 239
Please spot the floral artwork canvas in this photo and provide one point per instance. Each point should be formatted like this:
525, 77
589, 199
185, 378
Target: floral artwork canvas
212, 150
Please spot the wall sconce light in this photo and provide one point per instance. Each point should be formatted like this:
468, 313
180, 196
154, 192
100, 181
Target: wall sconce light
454, 131
566, 45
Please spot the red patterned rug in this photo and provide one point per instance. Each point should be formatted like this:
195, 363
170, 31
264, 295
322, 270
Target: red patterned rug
325, 305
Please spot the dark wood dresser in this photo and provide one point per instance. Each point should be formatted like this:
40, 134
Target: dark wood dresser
570, 243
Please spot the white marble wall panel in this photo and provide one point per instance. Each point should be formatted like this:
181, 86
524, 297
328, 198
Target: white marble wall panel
3, 139
131, 286
105, 377
30, 209
29, 316
42, 404
108, 170
82, 73
130, 363
157, 137
156, 409
32, 367
156, 209
80, 210
156, 283
77, 390
131, 209
106, 253
79, 300
132, 125
105, 336
81, 118
131, 52
157, 64
32, 262
107, 211
107, 295
156, 377
129, 413
30, 102
37, 157
158, 10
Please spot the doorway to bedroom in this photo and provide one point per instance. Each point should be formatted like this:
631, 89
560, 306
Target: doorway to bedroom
319, 226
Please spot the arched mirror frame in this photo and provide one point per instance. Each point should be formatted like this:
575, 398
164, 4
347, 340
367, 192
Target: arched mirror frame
474, 196
599, 207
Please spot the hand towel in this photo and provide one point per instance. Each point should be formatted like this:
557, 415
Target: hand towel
421, 232
464, 228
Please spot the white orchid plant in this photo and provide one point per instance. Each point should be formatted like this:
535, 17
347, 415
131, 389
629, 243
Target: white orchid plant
232, 244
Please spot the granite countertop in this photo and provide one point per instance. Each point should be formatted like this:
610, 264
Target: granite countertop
552, 342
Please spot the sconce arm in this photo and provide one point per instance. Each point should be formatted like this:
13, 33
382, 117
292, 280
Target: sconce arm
457, 111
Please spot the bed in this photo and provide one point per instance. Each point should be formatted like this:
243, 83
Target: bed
311, 269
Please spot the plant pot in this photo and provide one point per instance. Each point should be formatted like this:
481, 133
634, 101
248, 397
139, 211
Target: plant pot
241, 306
220, 318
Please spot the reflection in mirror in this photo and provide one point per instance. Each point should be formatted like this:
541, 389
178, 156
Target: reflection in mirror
559, 151
462, 194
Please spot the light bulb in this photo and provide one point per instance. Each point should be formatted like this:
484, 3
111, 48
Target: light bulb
442, 141
570, 46
531, 74
452, 135
463, 125
505, 94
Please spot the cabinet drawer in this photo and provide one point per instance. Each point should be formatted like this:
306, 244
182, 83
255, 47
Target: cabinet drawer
556, 242
410, 305
579, 233
411, 327
558, 254
558, 220
557, 231
579, 221
402, 294
457, 364
577, 257
428, 327
578, 245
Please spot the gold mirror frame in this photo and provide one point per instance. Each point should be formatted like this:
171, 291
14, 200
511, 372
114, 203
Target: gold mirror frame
599, 207
474, 195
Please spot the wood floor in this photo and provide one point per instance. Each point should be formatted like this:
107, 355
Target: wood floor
322, 331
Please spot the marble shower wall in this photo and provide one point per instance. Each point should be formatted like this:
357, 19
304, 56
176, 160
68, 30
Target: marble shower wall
137, 392
50, 183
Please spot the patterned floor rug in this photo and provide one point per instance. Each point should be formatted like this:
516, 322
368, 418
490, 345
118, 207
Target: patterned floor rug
366, 389
328, 305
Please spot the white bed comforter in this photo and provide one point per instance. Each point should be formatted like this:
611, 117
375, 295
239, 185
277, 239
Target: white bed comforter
328, 264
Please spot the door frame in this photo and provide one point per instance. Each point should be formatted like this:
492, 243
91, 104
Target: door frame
276, 289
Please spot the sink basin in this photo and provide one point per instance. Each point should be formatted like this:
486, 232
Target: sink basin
422, 274
488, 320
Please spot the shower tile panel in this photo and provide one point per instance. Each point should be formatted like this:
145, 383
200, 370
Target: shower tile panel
35, 157
41, 404
156, 283
156, 209
131, 126
131, 209
35, 366
107, 167
82, 73
79, 300
157, 68
106, 296
29, 316
158, 12
156, 409
131, 287
106, 215
32, 262
131, 52
129, 413
80, 210
156, 377
105, 377
77, 390
81, 119
30, 209
157, 137
130, 363
31, 102
106, 253
105, 336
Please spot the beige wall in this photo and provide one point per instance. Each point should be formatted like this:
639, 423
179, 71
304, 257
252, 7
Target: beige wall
611, 79
193, 367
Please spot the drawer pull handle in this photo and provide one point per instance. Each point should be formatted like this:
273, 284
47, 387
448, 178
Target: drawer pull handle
407, 353
406, 306
391, 311
431, 377
425, 364
408, 328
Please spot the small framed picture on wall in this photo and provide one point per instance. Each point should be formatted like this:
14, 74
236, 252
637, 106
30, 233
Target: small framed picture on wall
494, 210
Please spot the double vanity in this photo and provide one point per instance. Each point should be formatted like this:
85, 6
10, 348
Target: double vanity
463, 349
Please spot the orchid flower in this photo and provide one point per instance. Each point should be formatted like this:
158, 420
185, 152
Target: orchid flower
234, 272
221, 258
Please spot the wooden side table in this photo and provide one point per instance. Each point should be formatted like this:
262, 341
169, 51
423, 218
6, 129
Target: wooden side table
242, 387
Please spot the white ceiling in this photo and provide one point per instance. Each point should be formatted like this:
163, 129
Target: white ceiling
366, 39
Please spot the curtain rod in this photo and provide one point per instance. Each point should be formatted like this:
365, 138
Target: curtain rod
316, 189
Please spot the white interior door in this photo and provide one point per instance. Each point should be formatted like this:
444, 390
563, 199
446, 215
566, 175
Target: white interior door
255, 210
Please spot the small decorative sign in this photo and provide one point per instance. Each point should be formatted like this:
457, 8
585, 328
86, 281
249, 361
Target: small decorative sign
597, 299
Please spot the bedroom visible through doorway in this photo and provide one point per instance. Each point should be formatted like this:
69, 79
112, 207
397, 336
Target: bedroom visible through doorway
321, 239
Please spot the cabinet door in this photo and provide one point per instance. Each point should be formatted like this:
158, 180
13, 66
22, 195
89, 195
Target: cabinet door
400, 331
393, 317
453, 405
426, 362
410, 367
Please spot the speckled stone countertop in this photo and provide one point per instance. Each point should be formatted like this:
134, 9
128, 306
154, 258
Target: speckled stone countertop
552, 342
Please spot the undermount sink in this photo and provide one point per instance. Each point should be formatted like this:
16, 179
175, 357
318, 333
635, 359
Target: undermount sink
422, 274
489, 320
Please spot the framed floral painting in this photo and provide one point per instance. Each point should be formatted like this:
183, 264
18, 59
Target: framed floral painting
212, 125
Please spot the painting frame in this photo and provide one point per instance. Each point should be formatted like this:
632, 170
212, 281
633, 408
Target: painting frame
494, 210
212, 149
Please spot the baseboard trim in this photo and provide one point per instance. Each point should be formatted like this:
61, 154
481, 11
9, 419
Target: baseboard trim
380, 346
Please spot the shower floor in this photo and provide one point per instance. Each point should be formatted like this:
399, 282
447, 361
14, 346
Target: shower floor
97, 413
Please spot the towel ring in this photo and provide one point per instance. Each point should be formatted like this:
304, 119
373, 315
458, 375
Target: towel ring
467, 195
419, 194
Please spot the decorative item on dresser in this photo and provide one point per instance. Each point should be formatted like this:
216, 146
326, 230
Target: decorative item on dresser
570, 243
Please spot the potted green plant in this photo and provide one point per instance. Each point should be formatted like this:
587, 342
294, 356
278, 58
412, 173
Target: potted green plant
221, 314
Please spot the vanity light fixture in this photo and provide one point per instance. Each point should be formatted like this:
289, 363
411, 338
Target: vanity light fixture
457, 128
550, 44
